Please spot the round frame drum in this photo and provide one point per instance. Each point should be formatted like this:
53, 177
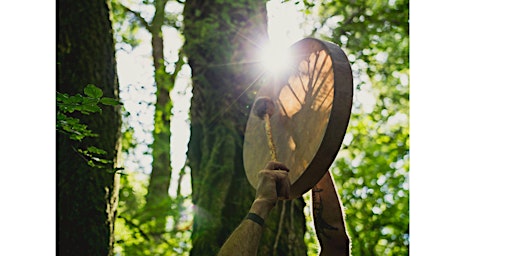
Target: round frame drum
312, 102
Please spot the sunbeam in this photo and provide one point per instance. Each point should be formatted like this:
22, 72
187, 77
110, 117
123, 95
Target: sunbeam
275, 58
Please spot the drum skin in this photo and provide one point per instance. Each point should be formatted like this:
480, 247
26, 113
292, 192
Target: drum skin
313, 101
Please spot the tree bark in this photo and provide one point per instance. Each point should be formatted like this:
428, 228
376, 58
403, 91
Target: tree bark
157, 199
87, 197
222, 42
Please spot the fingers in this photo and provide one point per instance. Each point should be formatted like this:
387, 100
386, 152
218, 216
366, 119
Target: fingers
273, 185
275, 177
272, 177
276, 166
283, 188
282, 181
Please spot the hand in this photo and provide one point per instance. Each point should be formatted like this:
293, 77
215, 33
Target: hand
273, 184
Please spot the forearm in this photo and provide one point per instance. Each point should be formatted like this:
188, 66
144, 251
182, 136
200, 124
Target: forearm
244, 240
246, 237
329, 219
273, 183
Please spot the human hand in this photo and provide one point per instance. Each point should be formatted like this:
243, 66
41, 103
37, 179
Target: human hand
273, 184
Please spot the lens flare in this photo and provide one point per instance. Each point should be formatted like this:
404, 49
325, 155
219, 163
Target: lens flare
275, 58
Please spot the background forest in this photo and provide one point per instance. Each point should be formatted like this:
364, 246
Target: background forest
372, 168
115, 117
198, 48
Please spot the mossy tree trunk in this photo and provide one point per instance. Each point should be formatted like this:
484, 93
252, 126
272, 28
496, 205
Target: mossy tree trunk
87, 197
222, 42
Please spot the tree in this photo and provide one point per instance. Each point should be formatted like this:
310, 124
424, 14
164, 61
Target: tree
145, 207
373, 169
87, 193
222, 40
157, 198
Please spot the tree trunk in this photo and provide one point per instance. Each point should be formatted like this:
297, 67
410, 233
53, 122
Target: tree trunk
222, 41
87, 197
157, 199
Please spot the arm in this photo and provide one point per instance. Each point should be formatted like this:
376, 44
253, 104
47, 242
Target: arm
329, 218
273, 182
246, 237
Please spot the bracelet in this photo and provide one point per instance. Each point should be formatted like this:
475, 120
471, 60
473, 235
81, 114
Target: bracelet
254, 217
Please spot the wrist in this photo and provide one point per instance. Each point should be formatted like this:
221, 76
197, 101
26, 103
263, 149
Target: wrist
261, 207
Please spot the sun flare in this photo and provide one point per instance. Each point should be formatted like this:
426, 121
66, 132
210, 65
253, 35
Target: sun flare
275, 58
284, 20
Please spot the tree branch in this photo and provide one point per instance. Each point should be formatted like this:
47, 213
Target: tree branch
137, 15
133, 225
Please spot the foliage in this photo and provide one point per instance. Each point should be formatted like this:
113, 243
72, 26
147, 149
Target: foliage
71, 125
130, 16
135, 226
372, 169
125, 26
150, 222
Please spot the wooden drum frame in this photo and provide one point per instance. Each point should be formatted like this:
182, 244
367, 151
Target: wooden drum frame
313, 102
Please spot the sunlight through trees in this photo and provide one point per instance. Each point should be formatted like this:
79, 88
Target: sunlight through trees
186, 80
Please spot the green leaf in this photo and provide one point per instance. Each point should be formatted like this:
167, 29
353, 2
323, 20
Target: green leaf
93, 91
90, 109
91, 163
96, 150
109, 101
75, 99
101, 160
90, 101
62, 97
